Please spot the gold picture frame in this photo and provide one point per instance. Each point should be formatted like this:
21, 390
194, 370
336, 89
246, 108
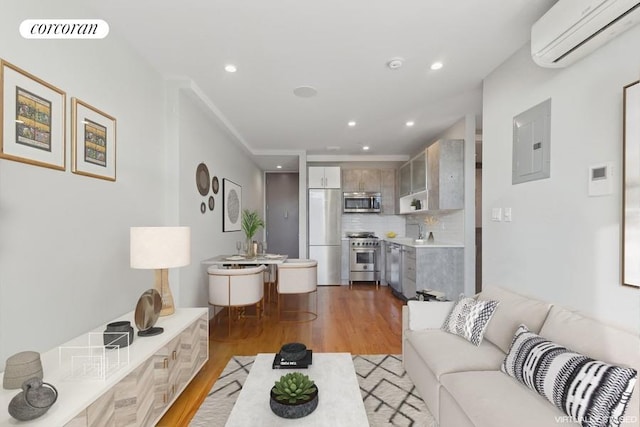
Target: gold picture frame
32, 119
93, 136
631, 186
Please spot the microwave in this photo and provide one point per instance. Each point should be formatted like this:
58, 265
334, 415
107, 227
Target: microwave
361, 202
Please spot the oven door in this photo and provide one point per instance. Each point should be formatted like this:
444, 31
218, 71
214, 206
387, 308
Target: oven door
363, 259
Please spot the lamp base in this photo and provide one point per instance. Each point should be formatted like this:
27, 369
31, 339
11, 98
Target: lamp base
162, 286
151, 332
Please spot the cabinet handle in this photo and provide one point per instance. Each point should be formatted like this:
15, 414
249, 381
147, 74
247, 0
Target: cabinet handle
165, 398
165, 363
173, 355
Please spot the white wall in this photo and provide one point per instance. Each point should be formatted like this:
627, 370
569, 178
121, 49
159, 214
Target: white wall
562, 245
202, 139
64, 248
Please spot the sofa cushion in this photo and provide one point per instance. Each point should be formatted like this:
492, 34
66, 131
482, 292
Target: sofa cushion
444, 352
469, 319
514, 309
588, 390
591, 337
493, 399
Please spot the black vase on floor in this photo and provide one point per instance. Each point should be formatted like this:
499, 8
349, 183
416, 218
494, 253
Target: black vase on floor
294, 410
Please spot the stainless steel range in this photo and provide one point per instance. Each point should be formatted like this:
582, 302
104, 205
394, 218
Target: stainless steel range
364, 257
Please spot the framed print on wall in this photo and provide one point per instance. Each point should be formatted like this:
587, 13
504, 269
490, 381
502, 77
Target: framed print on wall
231, 205
33, 111
631, 186
93, 139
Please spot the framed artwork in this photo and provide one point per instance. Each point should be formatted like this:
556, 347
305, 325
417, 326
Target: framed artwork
32, 129
231, 205
93, 138
631, 187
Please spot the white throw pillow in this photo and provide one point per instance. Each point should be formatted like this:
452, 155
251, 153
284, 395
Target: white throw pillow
469, 319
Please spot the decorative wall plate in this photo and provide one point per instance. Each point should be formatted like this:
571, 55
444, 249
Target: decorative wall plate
202, 179
215, 185
212, 203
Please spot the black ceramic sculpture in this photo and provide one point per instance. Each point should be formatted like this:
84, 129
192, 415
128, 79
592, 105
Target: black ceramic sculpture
118, 334
33, 401
293, 351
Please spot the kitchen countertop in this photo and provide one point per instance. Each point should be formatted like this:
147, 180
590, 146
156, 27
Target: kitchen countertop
407, 241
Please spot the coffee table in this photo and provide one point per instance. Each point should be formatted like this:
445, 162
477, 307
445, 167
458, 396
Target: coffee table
339, 400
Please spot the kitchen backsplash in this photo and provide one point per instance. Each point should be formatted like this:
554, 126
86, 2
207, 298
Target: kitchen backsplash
449, 226
379, 224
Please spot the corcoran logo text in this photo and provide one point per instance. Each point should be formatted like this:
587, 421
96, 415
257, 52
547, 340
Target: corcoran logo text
64, 29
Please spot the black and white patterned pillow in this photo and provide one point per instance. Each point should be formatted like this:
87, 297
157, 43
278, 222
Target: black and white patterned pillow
469, 319
591, 392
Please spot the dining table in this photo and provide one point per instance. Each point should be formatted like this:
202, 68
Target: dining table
261, 259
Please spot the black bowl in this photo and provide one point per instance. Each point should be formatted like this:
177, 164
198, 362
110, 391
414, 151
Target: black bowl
293, 351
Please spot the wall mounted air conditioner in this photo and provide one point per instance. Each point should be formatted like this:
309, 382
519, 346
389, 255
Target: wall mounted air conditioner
571, 29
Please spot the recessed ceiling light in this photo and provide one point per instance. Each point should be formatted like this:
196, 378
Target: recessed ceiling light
305, 91
279, 167
230, 68
410, 123
436, 65
351, 123
365, 147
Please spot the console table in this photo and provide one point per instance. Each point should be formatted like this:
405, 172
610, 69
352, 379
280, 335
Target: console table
136, 394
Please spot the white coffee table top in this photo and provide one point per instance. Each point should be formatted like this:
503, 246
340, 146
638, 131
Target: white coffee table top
339, 399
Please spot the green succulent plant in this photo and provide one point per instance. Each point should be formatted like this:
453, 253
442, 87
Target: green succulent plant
294, 387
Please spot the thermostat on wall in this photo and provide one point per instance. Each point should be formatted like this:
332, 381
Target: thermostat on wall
601, 179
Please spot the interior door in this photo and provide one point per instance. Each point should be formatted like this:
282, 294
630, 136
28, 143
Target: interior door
282, 218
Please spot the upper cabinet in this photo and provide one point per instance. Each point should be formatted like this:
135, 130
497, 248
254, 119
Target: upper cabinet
435, 177
388, 189
324, 177
413, 175
361, 180
446, 174
405, 179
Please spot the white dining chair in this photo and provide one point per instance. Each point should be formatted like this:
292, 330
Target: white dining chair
298, 276
236, 287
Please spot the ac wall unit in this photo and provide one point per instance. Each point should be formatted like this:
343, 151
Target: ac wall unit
572, 29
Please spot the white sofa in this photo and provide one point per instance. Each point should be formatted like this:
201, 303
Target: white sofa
462, 385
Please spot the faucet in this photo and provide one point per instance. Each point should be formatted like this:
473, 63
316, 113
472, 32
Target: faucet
420, 232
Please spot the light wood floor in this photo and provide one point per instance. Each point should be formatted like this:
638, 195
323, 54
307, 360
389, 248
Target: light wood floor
360, 320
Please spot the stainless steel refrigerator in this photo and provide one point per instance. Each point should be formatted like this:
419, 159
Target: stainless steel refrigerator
325, 238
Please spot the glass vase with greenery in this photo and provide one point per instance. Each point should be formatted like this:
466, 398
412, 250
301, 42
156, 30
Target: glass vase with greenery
251, 223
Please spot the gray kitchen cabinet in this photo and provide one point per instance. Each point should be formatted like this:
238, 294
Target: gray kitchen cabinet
445, 168
388, 197
440, 269
419, 172
409, 272
405, 179
361, 180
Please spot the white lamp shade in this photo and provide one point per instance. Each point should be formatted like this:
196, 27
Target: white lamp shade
160, 247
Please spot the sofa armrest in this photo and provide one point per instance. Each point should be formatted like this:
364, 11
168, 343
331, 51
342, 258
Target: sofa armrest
427, 314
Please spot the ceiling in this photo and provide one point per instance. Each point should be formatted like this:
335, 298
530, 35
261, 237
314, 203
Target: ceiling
341, 49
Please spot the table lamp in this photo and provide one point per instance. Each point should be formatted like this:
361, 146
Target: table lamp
161, 248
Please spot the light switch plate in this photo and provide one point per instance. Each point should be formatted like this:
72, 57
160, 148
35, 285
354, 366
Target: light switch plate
507, 215
496, 214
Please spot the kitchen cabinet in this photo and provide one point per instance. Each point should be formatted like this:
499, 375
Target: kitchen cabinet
388, 197
324, 177
408, 271
419, 172
405, 179
361, 180
446, 175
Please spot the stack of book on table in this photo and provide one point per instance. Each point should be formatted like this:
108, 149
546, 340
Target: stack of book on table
281, 363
